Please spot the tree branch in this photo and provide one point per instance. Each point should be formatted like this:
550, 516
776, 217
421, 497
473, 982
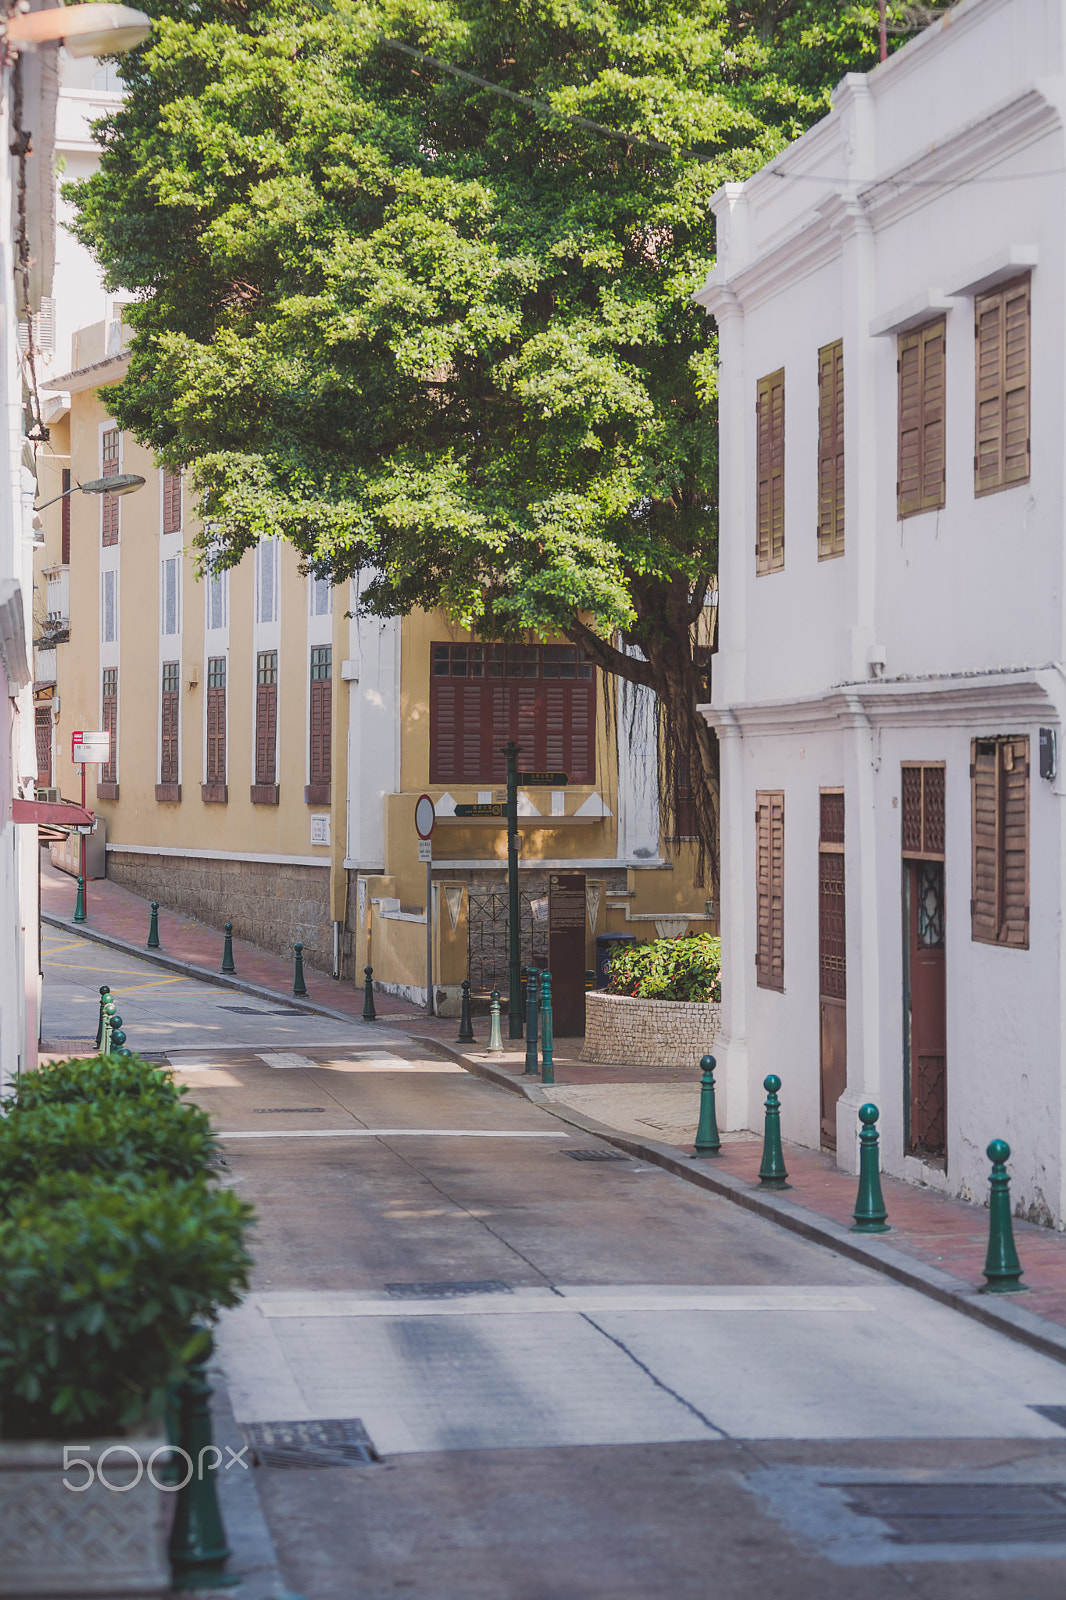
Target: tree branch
609, 659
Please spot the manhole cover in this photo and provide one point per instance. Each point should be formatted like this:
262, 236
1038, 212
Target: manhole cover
341, 1442
964, 1513
596, 1155
289, 1111
446, 1291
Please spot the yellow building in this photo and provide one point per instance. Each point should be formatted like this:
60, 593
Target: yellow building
269, 744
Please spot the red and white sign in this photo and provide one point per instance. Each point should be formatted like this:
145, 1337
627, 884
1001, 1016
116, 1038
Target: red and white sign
89, 747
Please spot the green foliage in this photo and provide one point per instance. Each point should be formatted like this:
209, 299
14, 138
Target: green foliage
96, 1080
669, 969
99, 1294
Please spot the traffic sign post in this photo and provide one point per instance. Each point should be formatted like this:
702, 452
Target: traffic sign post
87, 747
425, 822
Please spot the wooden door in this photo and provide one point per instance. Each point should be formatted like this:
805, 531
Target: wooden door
927, 1052
832, 948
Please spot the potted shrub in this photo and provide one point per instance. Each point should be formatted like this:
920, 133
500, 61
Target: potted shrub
112, 1249
661, 1006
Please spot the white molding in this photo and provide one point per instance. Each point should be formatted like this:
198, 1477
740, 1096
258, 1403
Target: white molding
999, 268
920, 308
219, 855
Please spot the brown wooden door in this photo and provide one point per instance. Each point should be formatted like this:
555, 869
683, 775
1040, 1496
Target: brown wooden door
927, 1052
832, 993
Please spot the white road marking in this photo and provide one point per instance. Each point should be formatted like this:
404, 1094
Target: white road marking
389, 1133
572, 1302
286, 1059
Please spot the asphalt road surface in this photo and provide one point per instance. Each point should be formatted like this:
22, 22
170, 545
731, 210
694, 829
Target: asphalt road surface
570, 1374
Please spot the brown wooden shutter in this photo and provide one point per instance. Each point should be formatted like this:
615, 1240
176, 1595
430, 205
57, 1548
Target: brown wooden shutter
1001, 446
109, 502
109, 720
216, 735
921, 367
65, 519
472, 718
908, 474
171, 502
321, 729
42, 728
168, 743
999, 909
266, 730
934, 338
770, 473
579, 759
831, 450
770, 889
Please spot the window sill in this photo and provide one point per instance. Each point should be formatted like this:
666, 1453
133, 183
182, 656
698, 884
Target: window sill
316, 794
214, 794
264, 794
169, 792
106, 791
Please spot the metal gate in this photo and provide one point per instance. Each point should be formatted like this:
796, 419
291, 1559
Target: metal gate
487, 952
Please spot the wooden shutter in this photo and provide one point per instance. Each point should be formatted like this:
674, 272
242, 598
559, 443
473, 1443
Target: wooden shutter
266, 730
216, 735
921, 367
109, 720
171, 502
109, 502
999, 775
831, 450
770, 473
1001, 444
42, 728
770, 889
471, 719
321, 729
65, 519
168, 743
580, 753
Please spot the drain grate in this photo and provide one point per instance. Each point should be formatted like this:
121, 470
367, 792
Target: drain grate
596, 1155
446, 1291
259, 1011
341, 1442
289, 1111
964, 1513
1056, 1414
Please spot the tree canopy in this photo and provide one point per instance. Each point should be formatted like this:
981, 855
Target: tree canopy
412, 285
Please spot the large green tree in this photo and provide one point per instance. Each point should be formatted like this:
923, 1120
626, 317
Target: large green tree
413, 289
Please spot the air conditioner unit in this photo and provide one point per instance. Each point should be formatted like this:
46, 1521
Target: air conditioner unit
52, 796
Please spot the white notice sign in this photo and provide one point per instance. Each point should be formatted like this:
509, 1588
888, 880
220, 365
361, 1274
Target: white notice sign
320, 827
88, 747
425, 849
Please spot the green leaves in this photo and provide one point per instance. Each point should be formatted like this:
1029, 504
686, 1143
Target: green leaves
669, 969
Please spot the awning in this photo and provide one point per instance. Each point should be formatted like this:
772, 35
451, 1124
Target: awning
52, 814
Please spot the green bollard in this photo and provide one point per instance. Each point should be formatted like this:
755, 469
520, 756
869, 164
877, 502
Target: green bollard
495, 1036
369, 1014
298, 984
870, 1209
227, 950
466, 1027
198, 1548
547, 1032
772, 1173
104, 995
79, 904
153, 927
117, 1040
708, 1140
532, 996
1003, 1270
110, 1011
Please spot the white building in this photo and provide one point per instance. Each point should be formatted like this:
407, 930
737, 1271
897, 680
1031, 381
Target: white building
890, 294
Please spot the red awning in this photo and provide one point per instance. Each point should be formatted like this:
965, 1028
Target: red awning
51, 813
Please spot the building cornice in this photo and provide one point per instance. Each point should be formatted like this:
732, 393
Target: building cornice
111, 370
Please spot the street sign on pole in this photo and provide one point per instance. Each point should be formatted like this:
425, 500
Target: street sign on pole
425, 822
425, 817
494, 810
546, 780
90, 746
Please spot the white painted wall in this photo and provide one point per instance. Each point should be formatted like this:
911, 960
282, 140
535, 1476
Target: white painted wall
925, 177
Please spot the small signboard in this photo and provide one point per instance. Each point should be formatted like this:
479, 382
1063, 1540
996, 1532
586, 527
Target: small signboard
425, 849
547, 780
90, 746
320, 827
495, 810
566, 950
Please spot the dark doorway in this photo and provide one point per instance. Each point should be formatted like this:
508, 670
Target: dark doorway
924, 967
832, 996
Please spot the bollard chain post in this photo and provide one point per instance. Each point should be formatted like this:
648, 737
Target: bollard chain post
298, 984
495, 1036
870, 1209
466, 1027
227, 950
110, 1012
772, 1172
532, 1002
79, 904
153, 927
708, 1139
369, 1014
547, 1030
105, 994
198, 1548
117, 1040
1002, 1269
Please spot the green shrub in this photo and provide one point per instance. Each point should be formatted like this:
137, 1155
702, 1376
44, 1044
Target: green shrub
669, 969
98, 1080
99, 1293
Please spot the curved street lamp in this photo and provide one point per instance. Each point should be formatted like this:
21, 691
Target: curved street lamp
86, 30
120, 483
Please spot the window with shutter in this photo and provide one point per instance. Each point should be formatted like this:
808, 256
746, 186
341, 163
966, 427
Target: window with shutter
265, 788
542, 696
109, 720
920, 477
831, 450
770, 473
214, 789
65, 519
770, 888
1001, 442
321, 726
999, 780
171, 502
109, 502
167, 787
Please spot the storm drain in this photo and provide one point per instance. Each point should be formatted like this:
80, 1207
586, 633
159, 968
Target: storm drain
290, 1111
964, 1513
1055, 1414
340, 1442
446, 1291
259, 1011
597, 1155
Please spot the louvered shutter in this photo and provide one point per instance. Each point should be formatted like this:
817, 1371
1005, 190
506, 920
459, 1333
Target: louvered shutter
1001, 326
769, 889
984, 798
443, 766
1016, 318
171, 502
933, 443
216, 735
908, 476
266, 723
168, 753
109, 719
770, 473
831, 450
988, 458
527, 723
471, 707
109, 502
1014, 834
321, 729
580, 755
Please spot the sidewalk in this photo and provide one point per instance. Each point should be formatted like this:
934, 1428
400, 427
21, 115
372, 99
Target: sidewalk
937, 1244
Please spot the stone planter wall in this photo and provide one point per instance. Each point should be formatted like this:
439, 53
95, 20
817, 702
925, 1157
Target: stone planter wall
96, 1541
648, 1033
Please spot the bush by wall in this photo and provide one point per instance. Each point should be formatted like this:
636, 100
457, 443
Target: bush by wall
669, 969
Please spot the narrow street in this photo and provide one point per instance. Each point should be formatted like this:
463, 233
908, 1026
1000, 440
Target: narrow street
574, 1374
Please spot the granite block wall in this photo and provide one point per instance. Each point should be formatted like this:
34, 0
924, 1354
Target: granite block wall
648, 1033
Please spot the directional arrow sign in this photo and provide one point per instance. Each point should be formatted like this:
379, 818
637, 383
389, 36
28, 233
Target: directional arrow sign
549, 780
481, 811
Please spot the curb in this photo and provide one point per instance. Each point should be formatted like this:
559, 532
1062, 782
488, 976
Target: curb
1025, 1327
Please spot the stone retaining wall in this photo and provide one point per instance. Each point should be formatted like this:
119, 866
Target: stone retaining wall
270, 905
648, 1033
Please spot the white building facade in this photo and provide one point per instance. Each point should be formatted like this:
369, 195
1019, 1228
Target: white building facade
890, 294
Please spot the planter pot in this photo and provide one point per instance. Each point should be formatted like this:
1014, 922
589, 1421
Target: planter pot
648, 1033
100, 1532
